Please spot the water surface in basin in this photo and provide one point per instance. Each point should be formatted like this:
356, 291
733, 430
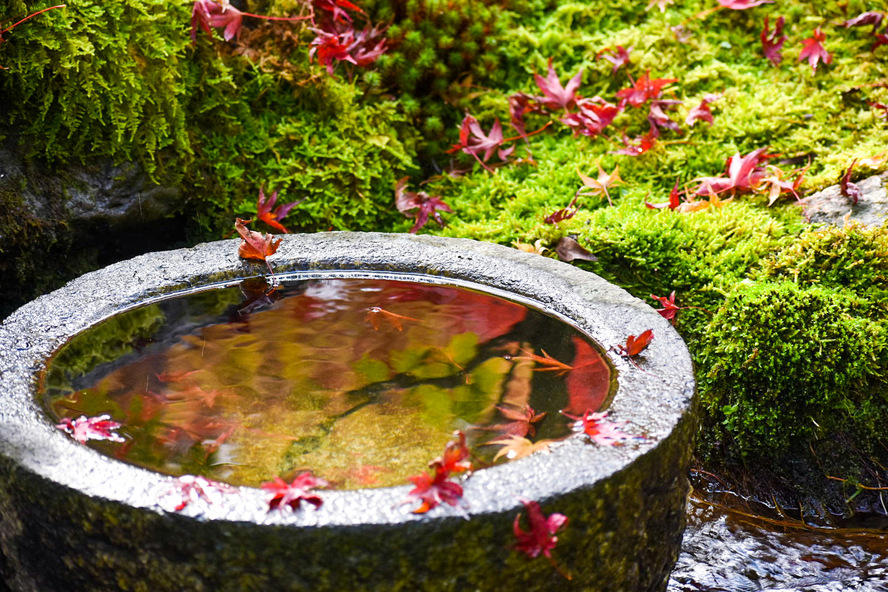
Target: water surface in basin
363, 381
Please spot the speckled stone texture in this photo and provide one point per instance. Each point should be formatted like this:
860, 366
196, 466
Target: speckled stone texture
71, 519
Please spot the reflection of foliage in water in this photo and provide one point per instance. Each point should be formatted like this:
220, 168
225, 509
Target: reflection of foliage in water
307, 383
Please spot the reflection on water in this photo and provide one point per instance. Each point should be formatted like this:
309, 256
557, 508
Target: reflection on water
362, 381
727, 550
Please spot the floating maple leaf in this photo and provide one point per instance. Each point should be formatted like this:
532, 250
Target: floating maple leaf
91, 428
568, 249
191, 488
772, 43
545, 362
515, 447
600, 185
375, 315
422, 205
643, 90
254, 245
522, 421
847, 188
635, 344
456, 457
601, 430
557, 97
294, 493
618, 56
702, 111
814, 51
540, 539
273, 217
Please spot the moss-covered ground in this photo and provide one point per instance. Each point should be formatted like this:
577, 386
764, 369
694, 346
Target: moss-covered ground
785, 323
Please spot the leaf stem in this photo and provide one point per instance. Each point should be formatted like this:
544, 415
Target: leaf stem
30, 16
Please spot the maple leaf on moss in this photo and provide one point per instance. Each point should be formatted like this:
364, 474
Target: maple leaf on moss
813, 50
591, 117
702, 111
271, 217
557, 97
294, 493
473, 140
564, 213
209, 14
657, 117
777, 182
670, 309
254, 245
91, 428
600, 185
772, 42
674, 199
744, 173
618, 56
643, 90
661, 4
421, 206
337, 9
540, 539
743, 4
865, 18
645, 143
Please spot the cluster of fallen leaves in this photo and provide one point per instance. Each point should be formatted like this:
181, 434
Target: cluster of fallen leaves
336, 38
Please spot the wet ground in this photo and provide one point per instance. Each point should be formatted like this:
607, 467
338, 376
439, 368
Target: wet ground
728, 548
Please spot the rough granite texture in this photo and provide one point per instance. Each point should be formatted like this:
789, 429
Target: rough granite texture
830, 207
71, 519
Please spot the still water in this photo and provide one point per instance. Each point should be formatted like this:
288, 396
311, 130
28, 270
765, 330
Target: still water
362, 381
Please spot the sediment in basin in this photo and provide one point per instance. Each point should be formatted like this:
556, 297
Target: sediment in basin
73, 519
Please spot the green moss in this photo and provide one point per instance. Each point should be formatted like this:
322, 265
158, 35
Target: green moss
784, 364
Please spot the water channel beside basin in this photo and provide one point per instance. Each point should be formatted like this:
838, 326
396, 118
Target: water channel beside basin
73, 518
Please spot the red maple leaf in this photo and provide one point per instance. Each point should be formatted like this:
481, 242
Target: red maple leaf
294, 493
337, 8
273, 217
865, 18
564, 213
743, 174
473, 140
670, 309
540, 539
772, 43
645, 143
190, 488
881, 39
456, 457
91, 428
522, 421
674, 199
743, 4
702, 110
618, 56
601, 430
591, 117
847, 188
814, 51
643, 90
433, 491
777, 182
421, 204
658, 118
254, 245
558, 97
209, 14
635, 344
